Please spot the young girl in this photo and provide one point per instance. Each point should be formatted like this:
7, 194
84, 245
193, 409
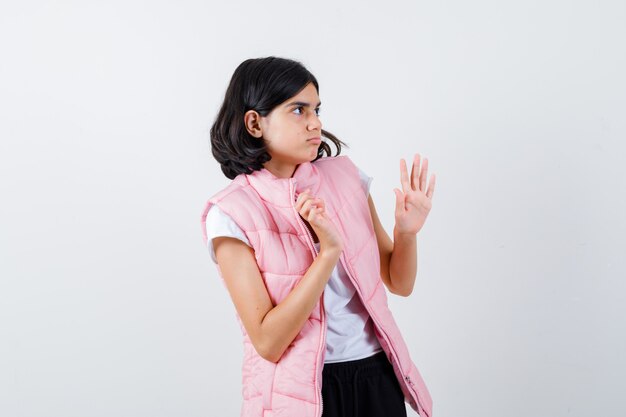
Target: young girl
304, 257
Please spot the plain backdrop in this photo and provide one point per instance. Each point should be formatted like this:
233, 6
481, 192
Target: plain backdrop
109, 302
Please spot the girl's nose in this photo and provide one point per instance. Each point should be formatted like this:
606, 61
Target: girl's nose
315, 123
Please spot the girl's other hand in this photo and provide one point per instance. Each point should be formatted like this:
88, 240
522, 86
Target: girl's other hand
313, 210
414, 202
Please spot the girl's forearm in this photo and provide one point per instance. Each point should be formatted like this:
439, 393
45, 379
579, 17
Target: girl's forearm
281, 324
403, 263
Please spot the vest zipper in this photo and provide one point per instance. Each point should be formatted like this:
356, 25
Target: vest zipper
382, 332
322, 344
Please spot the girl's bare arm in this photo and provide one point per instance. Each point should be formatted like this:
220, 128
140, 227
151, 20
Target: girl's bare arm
271, 328
398, 258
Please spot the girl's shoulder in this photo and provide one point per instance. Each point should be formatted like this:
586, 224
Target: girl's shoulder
337, 163
341, 165
237, 184
219, 224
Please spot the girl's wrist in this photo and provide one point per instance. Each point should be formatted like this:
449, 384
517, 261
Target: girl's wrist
329, 253
397, 235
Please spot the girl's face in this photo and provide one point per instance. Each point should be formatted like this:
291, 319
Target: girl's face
292, 131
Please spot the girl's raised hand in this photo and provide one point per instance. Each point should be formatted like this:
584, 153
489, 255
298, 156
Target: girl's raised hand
414, 202
313, 210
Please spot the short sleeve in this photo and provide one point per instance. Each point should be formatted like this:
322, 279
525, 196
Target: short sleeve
220, 224
366, 181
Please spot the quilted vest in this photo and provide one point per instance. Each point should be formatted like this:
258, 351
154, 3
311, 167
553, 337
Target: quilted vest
263, 205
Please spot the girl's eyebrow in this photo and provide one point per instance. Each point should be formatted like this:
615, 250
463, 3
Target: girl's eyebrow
301, 103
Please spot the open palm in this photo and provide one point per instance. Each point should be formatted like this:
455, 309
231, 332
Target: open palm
414, 202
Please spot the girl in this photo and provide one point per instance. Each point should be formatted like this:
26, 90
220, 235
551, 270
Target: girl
299, 246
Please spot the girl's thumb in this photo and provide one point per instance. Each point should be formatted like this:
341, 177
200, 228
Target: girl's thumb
399, 200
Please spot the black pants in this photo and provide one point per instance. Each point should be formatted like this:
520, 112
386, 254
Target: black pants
362, 388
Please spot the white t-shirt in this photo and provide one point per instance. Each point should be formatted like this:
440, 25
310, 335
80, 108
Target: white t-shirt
350, 333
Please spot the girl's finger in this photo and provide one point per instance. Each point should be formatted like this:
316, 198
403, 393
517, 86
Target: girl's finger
309, 216
302, 197
306, 207
312, 217
415, 172
302, 194
404, 176
424, 175
309, 202
399, 202
314, 201
431, 187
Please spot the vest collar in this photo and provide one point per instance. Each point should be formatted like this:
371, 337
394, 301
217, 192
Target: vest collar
283, 191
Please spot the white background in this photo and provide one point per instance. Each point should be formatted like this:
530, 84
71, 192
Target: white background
109, 302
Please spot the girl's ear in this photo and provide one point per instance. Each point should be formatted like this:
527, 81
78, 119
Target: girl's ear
252, 121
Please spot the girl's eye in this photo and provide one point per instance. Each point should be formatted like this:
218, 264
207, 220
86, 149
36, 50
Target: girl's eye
317, 111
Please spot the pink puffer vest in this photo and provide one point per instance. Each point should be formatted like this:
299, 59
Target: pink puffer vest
263, 206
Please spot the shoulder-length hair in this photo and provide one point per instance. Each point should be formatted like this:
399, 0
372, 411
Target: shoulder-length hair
258, 84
